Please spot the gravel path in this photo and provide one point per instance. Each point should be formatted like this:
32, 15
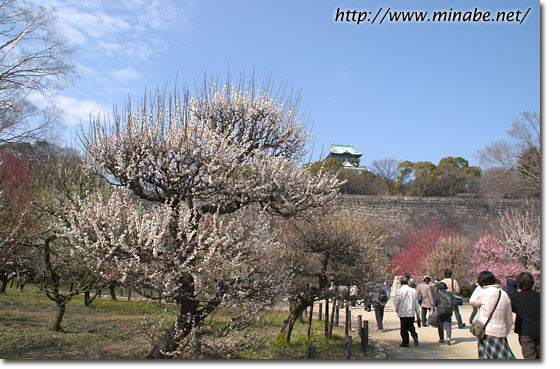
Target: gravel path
464, 346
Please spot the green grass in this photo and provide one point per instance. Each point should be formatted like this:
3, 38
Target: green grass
106, 329
110, 329
277, 348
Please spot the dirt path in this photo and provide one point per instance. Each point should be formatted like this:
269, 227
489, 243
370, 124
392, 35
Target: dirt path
465, 346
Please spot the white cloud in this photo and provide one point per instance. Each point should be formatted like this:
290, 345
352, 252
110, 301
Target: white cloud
113, 39
79, 111
115, 28
124, 74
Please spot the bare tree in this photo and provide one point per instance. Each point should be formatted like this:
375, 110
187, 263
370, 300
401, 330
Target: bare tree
521, 155
202, 176
34, 58
388, 170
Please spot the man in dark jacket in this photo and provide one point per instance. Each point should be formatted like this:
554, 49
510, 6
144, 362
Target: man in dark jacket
526, 303
380, 296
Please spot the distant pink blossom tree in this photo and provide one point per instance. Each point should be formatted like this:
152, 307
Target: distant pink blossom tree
490, 254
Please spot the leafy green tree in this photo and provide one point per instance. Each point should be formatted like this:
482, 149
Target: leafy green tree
326, 165
451, 176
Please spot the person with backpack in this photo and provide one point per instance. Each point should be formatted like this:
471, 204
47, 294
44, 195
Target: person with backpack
380, 296
444, 305
454, 288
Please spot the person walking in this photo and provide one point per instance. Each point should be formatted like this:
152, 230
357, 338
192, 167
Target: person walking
396, 285
495, 311
454, 288
406, 306
444, 303
353, 294
526, 304
380, 296
425, 298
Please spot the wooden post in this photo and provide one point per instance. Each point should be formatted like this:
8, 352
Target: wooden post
337, 316
129, 293
310, 318
326, 319
348, 327
348, 347
311, 352
359, 323
333, 309
320, 311
364, 337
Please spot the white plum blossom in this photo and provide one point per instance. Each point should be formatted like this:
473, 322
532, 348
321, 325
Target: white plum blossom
200, 178
520, 235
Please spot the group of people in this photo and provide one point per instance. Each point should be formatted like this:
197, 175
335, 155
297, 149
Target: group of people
493, 306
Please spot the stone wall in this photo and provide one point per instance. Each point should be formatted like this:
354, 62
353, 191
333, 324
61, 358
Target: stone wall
470, 217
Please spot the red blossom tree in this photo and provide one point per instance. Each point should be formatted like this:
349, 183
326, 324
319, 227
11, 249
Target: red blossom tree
418, 244
14, 210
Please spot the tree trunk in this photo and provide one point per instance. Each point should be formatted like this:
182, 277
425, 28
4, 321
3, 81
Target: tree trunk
112, 292
3, 284
88, 299
188, 318
297, 306
58, 321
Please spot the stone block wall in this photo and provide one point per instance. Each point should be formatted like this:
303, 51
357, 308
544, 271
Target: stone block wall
470, 217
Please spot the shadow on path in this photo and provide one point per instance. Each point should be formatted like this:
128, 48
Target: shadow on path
465, 345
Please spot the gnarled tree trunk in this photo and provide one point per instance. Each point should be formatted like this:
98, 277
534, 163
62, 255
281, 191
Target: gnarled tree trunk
183, 325
59, 314
297, 307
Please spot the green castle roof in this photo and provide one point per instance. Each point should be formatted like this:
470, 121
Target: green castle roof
341, 149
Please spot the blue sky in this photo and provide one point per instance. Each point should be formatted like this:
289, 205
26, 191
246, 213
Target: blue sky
416, 91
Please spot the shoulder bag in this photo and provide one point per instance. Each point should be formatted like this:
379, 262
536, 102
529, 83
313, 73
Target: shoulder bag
478, 329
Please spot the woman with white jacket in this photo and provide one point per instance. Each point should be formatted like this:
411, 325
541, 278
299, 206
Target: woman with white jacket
494, 345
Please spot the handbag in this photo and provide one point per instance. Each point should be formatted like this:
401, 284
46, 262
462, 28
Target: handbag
433, 318
478, 329
457, 300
